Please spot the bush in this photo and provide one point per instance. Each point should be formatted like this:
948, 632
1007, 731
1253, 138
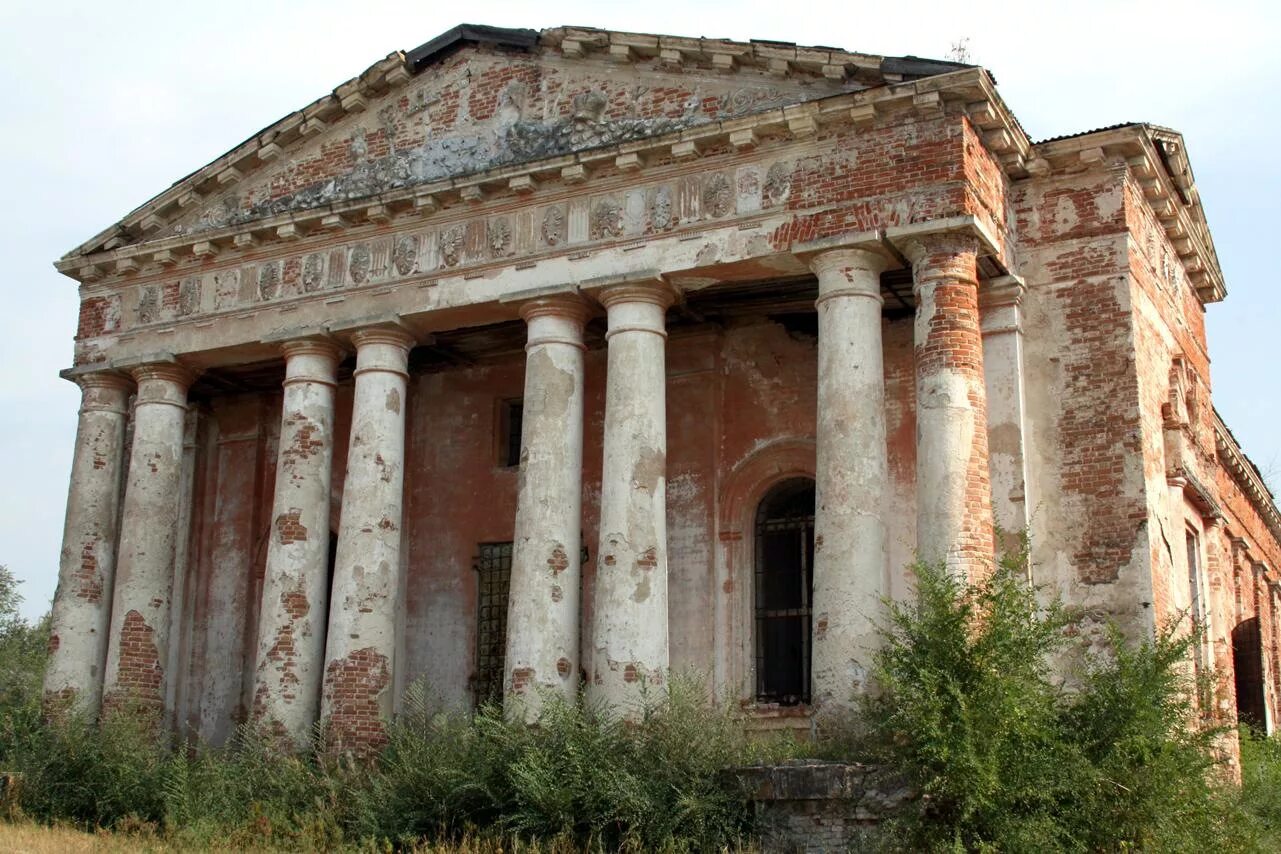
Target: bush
1261, 785
1007, 759
581, 775
23, 654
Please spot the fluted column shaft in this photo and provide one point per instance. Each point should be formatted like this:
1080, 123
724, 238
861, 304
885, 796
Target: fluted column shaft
953, 482
138, 648
361, 644
850, 559
86, 570
542, 622
629, 618
295, 590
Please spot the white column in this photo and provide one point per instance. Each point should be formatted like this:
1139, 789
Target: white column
86, 569
850, 560
629, 619
361, 644
138, 649
295, 589
542, 621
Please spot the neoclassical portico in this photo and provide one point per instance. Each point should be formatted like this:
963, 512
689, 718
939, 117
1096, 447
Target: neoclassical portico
479, 423
327, 648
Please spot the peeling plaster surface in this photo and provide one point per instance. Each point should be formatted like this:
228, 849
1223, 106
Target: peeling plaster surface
483, 109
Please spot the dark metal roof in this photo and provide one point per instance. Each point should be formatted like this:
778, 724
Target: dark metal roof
1088, 132
468, 34
915, 66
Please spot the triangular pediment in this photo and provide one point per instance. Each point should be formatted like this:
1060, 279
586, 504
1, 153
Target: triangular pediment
480, 98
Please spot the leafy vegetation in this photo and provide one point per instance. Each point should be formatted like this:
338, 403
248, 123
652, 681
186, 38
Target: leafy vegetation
1010, 759
1004, 756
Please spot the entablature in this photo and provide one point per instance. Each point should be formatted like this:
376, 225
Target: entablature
1246, 476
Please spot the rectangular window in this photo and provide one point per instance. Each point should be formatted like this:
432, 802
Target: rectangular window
493, 580
511, 417
1198, 605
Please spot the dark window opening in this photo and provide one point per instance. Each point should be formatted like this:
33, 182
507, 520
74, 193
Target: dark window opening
493, 580
784, 584
1247, 666
1197, 602
510, 421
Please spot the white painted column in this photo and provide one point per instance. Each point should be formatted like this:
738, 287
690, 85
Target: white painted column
953, 480
138, 649
542, 621
1007, 435
629, 618
295, 588
361, 644
86, 568
851, 570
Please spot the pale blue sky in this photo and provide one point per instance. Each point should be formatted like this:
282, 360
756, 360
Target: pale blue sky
109, 103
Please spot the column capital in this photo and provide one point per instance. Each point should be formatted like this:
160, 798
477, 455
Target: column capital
311, 346
655, 291
555, 320
106, 379
1000, 305
1002, 292
920, 248
171, 373
565, 306
311, 360
850, 272
390, 334
870, 258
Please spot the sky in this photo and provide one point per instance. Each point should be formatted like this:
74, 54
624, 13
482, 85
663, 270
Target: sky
110, 103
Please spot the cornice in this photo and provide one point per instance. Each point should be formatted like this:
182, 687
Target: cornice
1157, 159
1246, 476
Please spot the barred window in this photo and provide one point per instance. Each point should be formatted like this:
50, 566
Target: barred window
784, 558
493, 580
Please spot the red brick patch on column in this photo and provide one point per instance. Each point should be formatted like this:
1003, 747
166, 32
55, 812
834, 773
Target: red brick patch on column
140, 677
353, 686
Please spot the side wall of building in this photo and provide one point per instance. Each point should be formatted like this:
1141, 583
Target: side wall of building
1216, 553
1089, 524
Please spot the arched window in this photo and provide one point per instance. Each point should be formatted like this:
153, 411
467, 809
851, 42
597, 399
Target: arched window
784, 557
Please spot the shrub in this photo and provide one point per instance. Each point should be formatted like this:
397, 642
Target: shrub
96, 775
1007, 759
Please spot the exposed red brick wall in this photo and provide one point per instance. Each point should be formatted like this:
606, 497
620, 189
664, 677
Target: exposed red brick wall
1072, 231
93, 317
353, 686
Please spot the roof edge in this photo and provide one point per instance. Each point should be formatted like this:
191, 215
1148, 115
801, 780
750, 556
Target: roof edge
463, 34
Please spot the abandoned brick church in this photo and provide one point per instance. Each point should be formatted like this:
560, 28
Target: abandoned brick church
537, 359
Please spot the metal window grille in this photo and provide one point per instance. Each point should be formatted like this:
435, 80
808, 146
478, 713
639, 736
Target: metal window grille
493, 581
784, 580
